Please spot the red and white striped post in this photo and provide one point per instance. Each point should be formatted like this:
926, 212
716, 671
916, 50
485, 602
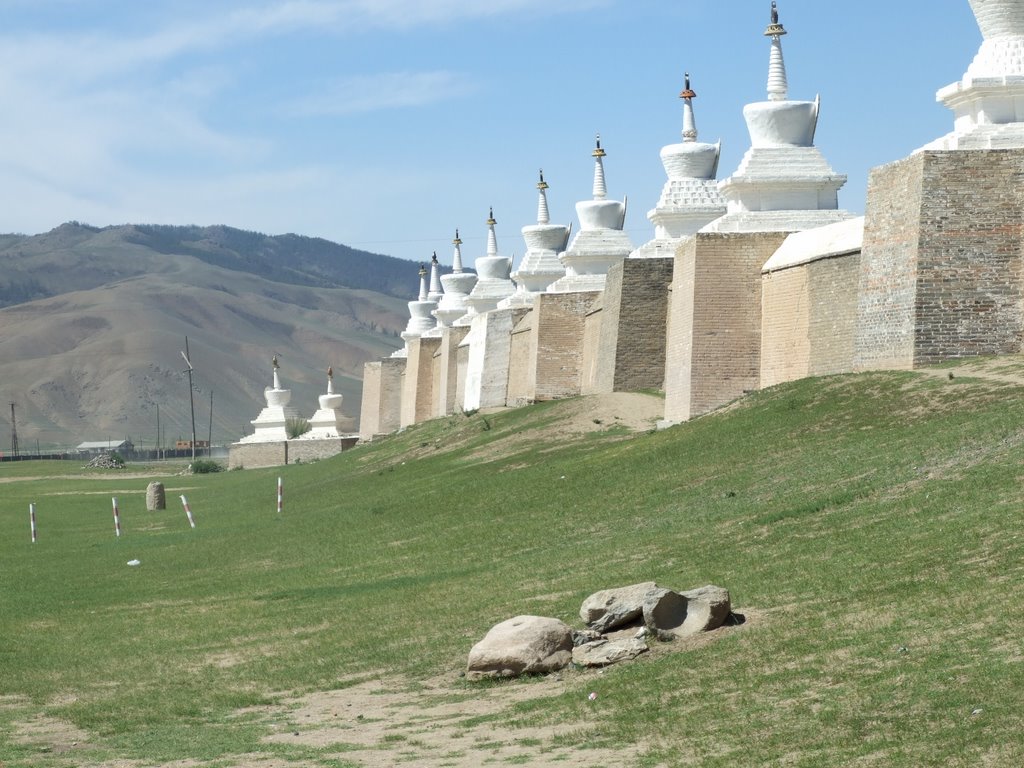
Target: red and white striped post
32, 520
188, 511
280, 496
117, 518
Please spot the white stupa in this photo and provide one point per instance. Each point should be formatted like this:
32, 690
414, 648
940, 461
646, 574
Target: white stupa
420, 318
783, 183
271, 424
540, 266
601, 241
988, 102
434, 293
493, 281
457, 287
690, 198
326, 422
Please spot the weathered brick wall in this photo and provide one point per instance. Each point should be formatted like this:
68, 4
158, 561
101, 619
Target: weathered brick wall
888, 269
278, 454
448, 400
417, 388
716, 321
488, 360
380, 409
522, 363
558, 327
257, 455
785, 317
592, 324
809, 319
832, 330
969, 287
461, 366
941, 268
631, 351
435, 384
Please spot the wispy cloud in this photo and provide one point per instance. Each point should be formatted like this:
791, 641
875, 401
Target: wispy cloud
389, 90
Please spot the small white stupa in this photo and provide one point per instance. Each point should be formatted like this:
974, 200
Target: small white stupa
435, 293
271, 424
493, 281
690, 198
457, 287
783, 183
988, 102
326, 422
601, 241
420, 318
540, 266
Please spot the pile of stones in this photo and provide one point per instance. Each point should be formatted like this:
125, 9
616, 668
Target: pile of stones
619, 623
105, 461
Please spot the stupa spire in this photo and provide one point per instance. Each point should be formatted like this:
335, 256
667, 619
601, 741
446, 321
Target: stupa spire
689, 123
543, 215
436, 292
778, 85
457, 256
600, 188
492, 239
330, 380
423, 282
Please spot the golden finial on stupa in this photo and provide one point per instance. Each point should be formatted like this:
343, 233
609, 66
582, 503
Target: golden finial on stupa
598, 152
542, 185
775, 29
688, 93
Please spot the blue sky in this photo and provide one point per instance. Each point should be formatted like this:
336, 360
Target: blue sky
386, 124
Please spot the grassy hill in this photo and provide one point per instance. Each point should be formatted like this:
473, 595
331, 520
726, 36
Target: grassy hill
94, 320
868, 527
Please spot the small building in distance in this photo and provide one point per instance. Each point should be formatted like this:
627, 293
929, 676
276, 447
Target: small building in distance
95, 448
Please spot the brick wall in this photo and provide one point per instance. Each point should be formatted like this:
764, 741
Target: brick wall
278, 454
488, 360
809, 319
558, 328
447, 396
461, 365
714, 353
417, 388
631, 350
522, 370
592, 325
888, 270
941, 270
380, 409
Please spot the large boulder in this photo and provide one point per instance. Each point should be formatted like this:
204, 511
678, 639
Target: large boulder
612, 608
678, 614
524, 645
156, 498
601, 653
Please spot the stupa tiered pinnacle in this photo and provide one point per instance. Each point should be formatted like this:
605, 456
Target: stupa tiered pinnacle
271, 424
601, 241
457, 287
540, 266
690, 198
988, 102
420, 318
326, 422
435, 293
783, 183
493, 282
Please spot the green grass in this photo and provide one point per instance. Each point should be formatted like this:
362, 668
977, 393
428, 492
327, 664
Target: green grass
868, 526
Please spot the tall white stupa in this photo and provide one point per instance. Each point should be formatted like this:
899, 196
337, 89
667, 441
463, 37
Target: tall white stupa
457, 287
271, 424
783, 183
988, 102
434, 293
690, 198
420, 318
493, 278
540, 266
601, 241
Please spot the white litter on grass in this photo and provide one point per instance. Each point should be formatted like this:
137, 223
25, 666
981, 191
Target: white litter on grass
134, 562
592, 696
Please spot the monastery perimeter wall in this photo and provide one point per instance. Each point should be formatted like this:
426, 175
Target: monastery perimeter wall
380, 410
558, 329
592, 345
417, 387
522, 364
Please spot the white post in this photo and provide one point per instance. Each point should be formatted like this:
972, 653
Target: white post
32, 520
280, 496
188, 512
117, 518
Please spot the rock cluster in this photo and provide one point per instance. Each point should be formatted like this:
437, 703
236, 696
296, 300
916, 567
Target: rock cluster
537, 645
106, 461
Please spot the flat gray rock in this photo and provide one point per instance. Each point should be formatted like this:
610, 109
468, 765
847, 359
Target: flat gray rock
601, 653
525, 645
678, 614
612, 608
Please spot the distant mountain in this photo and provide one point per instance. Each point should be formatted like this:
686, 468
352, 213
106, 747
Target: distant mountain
93, 321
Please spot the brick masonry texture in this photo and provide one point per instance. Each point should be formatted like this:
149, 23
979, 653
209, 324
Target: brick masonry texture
558, 325
447, 398
380, 410
713, 355
592, 345
417, 388
631, 349
522, 364
942, 261
257, 455
809, 319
